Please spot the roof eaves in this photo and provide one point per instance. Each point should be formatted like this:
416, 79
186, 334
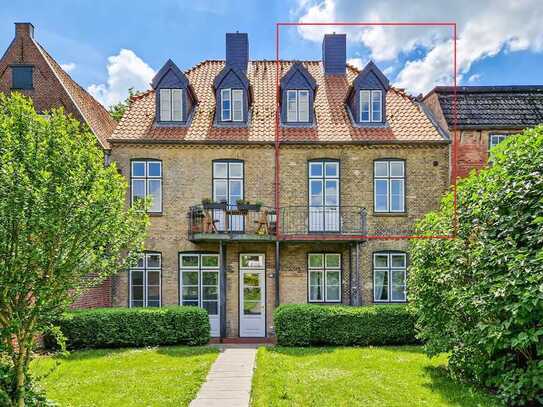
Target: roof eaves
87, 121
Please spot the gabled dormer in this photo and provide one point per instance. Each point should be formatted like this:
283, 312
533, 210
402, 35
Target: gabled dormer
297, 97
231, 86
175, 99
367, 97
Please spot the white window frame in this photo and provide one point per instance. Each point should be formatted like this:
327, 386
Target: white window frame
237, 97
145, 269
295, 115
226, 94
324, 270
170, 95
500, 136
371, 94
389, 269
389, 178
146, 178
200, 269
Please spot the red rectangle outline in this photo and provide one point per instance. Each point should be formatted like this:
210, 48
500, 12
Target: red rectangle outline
454, 152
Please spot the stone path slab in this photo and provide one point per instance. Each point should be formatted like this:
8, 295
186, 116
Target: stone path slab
228, 383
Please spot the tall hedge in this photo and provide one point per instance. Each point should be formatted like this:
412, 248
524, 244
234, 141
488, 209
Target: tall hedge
311, 324
480, 296
116, 327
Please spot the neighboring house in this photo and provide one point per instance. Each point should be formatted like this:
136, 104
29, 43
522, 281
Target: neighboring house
26, 67
485, 115
354, 157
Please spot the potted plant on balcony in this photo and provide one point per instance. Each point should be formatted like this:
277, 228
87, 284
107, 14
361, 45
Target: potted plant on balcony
209, 204
244, 205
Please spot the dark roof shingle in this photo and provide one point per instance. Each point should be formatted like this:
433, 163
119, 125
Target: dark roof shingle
492, 106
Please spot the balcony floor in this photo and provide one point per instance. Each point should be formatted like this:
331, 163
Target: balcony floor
236, 237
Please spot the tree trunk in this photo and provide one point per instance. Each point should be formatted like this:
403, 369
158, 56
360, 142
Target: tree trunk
20, 375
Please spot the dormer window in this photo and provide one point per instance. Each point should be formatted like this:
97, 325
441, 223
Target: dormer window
232, 105
175, 98
298, 105
371, 106
366, 100
297, 97
171, 105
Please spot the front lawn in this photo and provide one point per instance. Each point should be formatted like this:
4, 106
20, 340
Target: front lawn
165, 376
383, 376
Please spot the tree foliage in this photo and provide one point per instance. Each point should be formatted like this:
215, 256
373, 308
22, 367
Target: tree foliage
64, 224
117, 110
480, 296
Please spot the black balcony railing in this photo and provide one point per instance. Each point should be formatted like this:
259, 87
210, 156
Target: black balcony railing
216, 219
231, 219
340, 220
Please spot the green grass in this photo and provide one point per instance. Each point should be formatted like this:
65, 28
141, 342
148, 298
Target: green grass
166, 376
380, 377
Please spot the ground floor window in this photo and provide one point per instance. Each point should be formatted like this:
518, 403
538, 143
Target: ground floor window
199, 275
324, 277
389, 277
144, 280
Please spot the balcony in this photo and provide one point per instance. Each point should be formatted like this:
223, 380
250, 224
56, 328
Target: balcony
231, 222
322, 222
258, 223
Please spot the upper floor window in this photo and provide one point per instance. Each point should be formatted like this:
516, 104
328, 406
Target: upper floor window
232, 105
496, 139
389, 277
144, 280
324, 277
21, 77
324, 214
146, 181
371, 106
298, 105
171, 105
389, 186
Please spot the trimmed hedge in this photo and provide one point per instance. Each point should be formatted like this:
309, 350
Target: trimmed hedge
117, 327
311, 324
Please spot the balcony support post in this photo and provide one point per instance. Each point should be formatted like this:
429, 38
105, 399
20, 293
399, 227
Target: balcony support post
222, 287
277, 273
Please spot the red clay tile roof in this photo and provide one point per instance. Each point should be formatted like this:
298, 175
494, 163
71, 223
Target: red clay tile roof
96, 116
407, 121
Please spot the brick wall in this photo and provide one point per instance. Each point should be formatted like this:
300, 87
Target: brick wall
187, 178
48, 91
95, 297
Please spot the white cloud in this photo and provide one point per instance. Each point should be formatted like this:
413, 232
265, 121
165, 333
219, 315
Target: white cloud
474, 78
125, 70
356, 62
485, 28
68, 67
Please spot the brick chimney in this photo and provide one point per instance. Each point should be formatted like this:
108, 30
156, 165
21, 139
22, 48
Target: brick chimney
237, 50
24, 30
334, 53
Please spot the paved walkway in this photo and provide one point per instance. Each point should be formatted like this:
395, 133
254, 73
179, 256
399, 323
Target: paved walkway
228, 383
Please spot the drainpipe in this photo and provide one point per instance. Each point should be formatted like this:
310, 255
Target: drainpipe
277, 138
277, 271
222, 288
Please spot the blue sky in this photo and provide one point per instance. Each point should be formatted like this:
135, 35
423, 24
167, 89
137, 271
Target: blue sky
497, 45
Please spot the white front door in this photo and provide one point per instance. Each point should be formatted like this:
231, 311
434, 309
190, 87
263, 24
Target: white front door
200, 285
252, 295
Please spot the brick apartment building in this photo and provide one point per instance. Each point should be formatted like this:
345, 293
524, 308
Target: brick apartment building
26, 67
485, 116
244, 219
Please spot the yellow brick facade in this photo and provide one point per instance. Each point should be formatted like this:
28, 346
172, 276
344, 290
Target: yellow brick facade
187, 179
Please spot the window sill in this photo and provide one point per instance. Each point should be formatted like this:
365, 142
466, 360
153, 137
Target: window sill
22, 88
154, 214
390, 214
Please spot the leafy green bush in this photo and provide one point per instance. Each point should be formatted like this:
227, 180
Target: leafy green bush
480, 296
34, 396
311, 324
115, 327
